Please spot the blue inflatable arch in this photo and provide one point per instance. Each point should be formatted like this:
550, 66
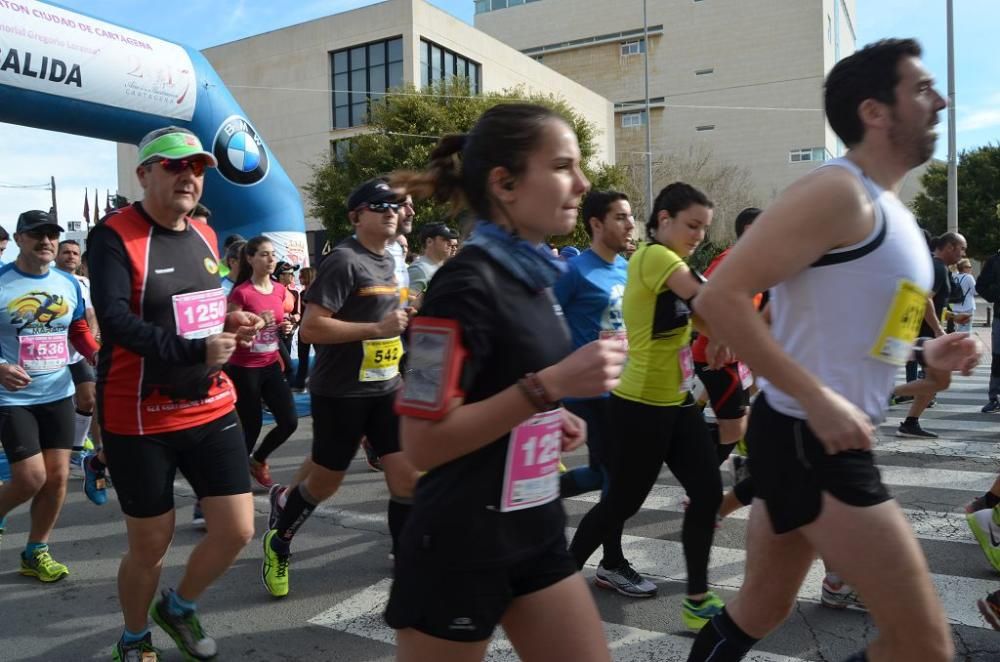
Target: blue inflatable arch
65, 71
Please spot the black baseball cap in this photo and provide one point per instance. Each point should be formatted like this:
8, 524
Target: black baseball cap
36, 219
434, 230
285, 268
374, 190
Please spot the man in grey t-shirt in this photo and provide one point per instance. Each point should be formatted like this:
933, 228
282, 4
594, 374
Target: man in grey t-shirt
435, 240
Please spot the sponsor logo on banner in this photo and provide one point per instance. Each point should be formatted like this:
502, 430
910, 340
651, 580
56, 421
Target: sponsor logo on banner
290, 247
56, 51
240, 152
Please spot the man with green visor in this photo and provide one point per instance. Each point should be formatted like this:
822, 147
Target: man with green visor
163, 401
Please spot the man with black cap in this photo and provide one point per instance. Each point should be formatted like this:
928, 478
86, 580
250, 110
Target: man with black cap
354, 319
43, 314
163, 401
435, 240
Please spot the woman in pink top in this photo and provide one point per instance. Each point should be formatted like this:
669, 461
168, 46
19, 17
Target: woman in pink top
256, 370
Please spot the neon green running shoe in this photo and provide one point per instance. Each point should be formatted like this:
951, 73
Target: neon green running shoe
42, 566
88, 445
985, 525
274, 569
139, 651
695, 618
741, 448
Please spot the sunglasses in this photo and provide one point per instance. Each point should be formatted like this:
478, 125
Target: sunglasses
38, 235
381, 207
177, 166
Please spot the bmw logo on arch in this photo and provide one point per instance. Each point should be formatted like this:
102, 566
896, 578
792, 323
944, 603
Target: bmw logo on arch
240, 152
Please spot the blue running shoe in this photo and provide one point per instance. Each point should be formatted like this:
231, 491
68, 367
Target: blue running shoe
95, 482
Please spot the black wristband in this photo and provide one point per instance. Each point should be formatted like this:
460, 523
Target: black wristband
918, 351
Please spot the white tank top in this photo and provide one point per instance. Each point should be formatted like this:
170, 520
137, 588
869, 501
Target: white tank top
851, 317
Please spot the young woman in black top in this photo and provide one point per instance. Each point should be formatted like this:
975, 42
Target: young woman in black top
485, 542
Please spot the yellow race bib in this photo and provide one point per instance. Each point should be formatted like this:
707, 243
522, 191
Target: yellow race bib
901, 325
380, 361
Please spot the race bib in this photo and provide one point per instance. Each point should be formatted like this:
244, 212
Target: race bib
746, 377
44, 352
200, 314
686, 362
380, 361
901, 324
531, 477
266, 341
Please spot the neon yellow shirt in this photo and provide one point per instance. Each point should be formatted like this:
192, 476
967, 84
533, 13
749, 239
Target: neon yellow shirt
659, 328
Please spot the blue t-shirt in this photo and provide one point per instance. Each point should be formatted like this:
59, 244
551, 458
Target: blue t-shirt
590, 294
34, 326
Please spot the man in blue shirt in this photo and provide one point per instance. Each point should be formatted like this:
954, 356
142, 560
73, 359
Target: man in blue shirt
590, 294
41, 312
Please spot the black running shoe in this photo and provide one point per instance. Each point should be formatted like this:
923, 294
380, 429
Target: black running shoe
914, 430
991, 407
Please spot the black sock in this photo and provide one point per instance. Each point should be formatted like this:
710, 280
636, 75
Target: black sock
721, 640
911, 420
991, 499
713, 432
96, 464
722, 451
858, 657
399, 510
743, 491
297, 510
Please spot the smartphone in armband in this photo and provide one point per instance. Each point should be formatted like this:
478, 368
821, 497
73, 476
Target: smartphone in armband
434, 371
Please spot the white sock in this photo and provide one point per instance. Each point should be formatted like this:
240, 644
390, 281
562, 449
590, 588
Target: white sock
81, 427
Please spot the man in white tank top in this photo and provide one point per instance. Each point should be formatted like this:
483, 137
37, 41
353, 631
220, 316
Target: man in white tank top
849, 273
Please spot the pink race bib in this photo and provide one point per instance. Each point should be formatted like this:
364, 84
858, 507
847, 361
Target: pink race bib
45, 352
200, 314
616, 334
531, 477
686, 361
266, 341
746, 377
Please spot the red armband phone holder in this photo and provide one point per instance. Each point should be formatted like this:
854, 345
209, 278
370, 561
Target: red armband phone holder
435, 357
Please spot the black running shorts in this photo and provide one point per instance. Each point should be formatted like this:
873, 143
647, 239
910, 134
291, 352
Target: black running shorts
725, 391
791, 470
82, 372
213, 458
435, 597
27, 430
340, 423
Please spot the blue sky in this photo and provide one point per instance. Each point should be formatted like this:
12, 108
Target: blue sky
30, 155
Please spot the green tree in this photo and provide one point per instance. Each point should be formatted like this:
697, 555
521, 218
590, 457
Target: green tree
404, 129
978, 199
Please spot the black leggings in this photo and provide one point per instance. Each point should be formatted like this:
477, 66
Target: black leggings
646, 437
267, 383
302, 371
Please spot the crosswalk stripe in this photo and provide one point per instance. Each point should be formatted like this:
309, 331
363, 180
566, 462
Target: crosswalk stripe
945, 526
979, 450
361, 615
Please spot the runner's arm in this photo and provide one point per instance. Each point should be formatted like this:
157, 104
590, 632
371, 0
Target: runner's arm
111, 294
319, 327
930, 316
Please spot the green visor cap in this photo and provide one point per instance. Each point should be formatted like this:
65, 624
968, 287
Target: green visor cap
177, 145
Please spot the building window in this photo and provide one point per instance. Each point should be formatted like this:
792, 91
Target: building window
705, 127
633, 47
808, 154
704, 72
484, 6
362, 74
437, 64
633, 119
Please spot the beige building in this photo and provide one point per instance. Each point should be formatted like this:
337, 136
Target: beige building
306, 86
737, 80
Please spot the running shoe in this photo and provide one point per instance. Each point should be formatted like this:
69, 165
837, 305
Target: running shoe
42, 566
914, 430
696, 617
139, 651
95, 483
76, 461
374, 464
977, 504
741, 468
274, 496
985, 526
88, 445
990, 606
839, 595
899, 400
185, 629
197, 516
991, 407
626, 581
261, 473
298, 389
741, 448
274, 569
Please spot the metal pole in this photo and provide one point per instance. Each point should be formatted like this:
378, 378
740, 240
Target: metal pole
952, 157
649, 119
52, 186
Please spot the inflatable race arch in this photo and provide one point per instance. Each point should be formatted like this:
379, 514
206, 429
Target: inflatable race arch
65, 71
